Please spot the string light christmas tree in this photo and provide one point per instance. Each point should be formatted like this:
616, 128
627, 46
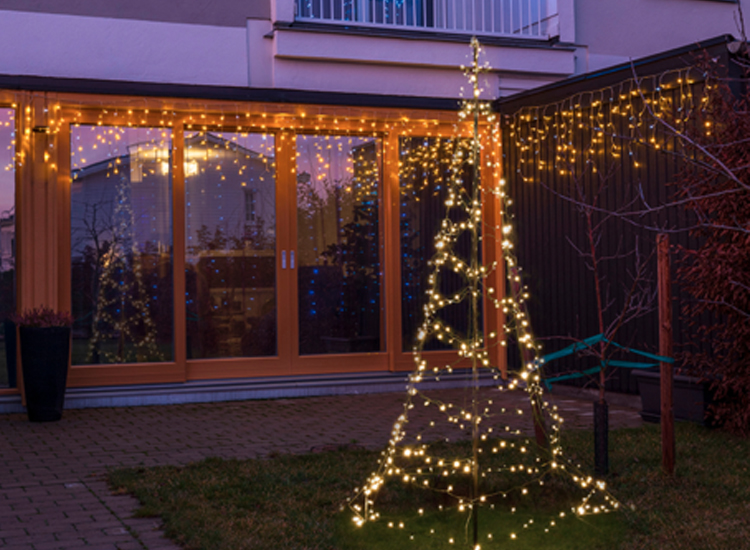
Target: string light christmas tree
122, 308
497, 468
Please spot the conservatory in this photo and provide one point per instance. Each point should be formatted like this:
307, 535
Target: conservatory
208, 238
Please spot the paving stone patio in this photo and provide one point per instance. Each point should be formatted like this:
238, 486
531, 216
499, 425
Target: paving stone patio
53, 491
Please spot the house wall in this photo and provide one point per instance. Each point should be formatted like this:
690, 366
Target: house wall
70, 46
351, 63
254, 44
612, 31
259, 44
222, 13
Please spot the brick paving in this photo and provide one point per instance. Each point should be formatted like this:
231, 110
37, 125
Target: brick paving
53, 490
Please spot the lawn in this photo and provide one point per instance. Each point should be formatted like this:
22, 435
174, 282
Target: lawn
256, 504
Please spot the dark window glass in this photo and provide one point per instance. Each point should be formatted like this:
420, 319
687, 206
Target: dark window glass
338, 244
7, 245
230, 231
424, 178
121, 244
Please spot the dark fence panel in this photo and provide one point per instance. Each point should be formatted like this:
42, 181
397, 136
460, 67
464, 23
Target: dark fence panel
580, 156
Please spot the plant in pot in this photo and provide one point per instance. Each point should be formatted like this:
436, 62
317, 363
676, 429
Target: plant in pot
44, 336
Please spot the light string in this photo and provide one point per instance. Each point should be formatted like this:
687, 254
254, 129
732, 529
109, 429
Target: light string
414, 456
586, 133
123, 307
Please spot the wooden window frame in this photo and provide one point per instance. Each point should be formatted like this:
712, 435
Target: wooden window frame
43, 222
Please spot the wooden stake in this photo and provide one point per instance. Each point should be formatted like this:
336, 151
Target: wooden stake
665, 350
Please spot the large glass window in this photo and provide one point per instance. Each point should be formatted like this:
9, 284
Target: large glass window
7, 245
338, 244
424, 176
230, 232
121, 243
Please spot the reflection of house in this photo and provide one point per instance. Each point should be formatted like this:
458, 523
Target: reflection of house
238, 205
385, 70
94, 192
230, 213
228, 188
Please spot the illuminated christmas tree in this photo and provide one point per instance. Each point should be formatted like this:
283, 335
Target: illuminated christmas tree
122, 308
475, 457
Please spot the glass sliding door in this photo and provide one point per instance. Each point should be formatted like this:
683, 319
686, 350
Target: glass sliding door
338, 252
7, 245
230, 235
424, 177
121, 244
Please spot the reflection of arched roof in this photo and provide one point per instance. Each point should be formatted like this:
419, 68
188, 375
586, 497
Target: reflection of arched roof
9, 214
198, 138
102, 165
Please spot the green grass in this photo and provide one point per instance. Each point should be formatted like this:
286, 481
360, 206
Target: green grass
435, 531
255, 504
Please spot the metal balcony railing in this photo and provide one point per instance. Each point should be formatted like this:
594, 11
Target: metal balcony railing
513, 18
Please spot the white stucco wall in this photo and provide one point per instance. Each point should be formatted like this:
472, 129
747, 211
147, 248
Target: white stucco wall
615, 31
360, 63
121, 49
256, 55
607, 32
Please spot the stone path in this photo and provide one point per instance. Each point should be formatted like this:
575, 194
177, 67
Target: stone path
53, 491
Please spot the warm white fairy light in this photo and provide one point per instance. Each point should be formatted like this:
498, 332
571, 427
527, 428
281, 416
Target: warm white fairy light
414, 461
667, 94
585, 132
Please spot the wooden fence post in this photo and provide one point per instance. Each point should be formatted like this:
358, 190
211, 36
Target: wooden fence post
665, 350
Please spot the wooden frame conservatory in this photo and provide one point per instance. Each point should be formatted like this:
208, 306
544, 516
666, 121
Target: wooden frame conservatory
198, 233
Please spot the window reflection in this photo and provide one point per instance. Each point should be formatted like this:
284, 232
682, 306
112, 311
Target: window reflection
230, 231
121, 243
424, 176
7, 246
338, 244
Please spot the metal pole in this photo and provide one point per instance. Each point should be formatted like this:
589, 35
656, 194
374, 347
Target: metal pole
665, 350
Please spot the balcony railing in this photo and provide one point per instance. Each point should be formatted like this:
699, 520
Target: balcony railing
513, 18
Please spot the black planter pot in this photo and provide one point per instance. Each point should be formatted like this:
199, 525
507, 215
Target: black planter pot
45, 355
690, 395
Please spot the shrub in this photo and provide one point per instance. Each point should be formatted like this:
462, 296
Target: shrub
716, 274
43, 317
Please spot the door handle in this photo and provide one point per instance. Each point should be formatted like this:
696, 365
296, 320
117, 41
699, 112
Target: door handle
283, 259
291, 259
